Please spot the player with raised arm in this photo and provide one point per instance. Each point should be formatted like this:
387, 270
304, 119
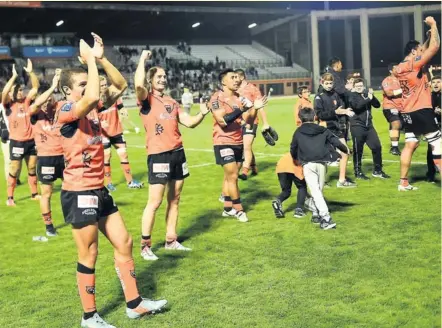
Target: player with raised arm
391, 106
417, 112
50, 160
86, 203
251, 92
113, 135
329, 108
227, 110
21, 144
166, 159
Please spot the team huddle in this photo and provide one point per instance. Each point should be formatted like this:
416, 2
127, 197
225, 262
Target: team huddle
71, 139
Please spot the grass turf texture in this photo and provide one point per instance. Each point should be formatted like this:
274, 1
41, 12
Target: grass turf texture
379, 268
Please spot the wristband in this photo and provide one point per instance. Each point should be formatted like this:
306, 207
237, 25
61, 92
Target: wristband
231, 117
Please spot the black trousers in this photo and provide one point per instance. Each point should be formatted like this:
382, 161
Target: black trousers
362, 135
286, 180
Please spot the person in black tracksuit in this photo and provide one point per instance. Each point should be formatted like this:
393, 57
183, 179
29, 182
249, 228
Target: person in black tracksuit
436, 103
363, 131
329, 108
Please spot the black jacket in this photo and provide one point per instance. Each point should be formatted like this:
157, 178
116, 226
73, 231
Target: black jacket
325, 105
4, 133
314, 143
361, 105
435, 99
338, 83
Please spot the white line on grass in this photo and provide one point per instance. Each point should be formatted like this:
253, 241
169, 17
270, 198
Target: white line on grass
264, 155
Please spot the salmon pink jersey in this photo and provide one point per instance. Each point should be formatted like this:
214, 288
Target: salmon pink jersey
109, 118
20, 127
302, 103
159, 114
251, 92
82, 148
47, 133
232, 133
391, 83
416, 94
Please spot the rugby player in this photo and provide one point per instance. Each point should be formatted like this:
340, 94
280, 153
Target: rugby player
166, 159
50, 160
86, 203
417, 112
21, 141
113, 136
391, 106
227, 110
251, 92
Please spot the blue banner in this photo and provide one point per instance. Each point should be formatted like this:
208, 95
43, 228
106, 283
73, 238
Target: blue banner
5, 51
48, 52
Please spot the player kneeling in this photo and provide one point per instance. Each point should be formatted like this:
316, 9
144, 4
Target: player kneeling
311, 146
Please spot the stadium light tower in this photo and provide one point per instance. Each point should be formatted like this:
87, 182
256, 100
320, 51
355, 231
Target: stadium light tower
196, 24
59, 23
252, 25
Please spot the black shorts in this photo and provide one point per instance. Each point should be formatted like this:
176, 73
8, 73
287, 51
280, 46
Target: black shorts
390, 117
110, 141
20, 149
252, 131
167, 166
225, 154
50, 168
420, 122
89, 206
340, 133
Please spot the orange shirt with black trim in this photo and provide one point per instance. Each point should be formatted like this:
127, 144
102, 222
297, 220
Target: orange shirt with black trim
19, 118
47, 133
160, 115
82, 148
109, 118
302, 103
286, 164
416, 93
391, 84
251, 92
232, 133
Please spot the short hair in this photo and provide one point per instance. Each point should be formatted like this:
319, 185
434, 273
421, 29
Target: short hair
223, 73
306, 114
435, 77
301, 89
333, 61
350, 76
391, 65
358, 80
240, 72
66, 77
327, 77
411, 45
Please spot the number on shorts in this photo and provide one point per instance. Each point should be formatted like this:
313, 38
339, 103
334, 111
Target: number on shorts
407, 118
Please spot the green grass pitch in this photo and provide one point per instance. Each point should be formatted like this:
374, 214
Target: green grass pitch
379, 268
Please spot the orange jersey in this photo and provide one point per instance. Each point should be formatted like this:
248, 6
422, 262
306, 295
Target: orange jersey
287, 165
82, 149
416, 94
232, 133
391, 83
47, 133
20, 127
251, 92
109, 118
160, 119
302, 103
